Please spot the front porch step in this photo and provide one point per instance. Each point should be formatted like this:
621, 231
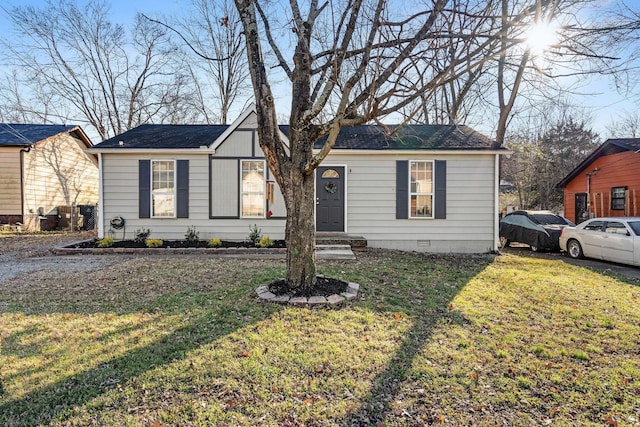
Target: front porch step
334, 252
357, 243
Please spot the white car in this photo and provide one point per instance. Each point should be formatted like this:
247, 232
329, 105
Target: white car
614, 239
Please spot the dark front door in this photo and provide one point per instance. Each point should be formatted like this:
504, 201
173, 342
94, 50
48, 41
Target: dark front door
582, 212
330, 198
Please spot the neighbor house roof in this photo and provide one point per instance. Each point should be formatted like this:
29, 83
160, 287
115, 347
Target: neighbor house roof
364, 137
24, 135
610, 146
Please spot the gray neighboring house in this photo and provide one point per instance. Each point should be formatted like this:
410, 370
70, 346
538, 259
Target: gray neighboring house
430, 188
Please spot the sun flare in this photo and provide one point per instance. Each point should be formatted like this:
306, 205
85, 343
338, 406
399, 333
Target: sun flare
540, 37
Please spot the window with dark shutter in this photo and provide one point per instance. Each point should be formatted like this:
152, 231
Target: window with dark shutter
402, 189
144, 188
421, 189
182, 183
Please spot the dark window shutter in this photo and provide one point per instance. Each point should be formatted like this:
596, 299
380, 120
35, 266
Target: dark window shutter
183, 188
440, 203
144, 188
402, 189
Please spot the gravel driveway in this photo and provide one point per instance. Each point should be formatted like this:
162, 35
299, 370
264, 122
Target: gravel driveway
25, 254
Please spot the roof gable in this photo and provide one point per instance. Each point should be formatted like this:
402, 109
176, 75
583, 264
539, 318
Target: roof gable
23, 135
609, 147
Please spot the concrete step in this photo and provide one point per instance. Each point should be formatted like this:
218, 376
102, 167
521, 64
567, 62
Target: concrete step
355, 242
334, 252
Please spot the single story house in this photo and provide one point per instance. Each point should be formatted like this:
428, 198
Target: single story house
43, 167
429, 188
606, 183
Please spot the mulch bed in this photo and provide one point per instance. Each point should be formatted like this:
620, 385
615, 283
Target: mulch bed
325, 286
173, 244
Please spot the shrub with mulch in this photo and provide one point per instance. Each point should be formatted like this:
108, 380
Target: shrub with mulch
175, 244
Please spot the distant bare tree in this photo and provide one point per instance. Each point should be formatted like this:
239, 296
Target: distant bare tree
627, 126
214, 30
75, 54
544, 152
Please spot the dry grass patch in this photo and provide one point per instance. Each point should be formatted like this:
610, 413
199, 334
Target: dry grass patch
432, 339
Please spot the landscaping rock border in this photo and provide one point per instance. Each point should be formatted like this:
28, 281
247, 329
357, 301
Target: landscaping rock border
336, 299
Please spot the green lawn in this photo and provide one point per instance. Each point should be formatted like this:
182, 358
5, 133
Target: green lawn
184, 341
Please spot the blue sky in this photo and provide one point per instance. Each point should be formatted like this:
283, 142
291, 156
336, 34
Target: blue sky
604, 103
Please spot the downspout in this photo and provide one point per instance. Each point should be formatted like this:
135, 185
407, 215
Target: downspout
100, 199
22, 151
496, 209
588, 195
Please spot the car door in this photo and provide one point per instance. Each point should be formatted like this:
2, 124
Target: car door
591, 237
617, 243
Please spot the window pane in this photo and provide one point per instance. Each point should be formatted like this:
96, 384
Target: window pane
163, 204
253, 187
330, 173
162, 184
421, 206
421, 189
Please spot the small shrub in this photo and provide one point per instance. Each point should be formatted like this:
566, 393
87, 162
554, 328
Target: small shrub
192, 236
214, 243
254, 234
265, 242
154, 243
141, 235
105, 242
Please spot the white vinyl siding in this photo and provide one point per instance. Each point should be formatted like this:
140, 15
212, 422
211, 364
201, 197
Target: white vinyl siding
371, 196
224, 188
120, 174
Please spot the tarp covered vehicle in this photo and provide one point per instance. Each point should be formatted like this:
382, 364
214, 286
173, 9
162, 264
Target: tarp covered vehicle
538, 229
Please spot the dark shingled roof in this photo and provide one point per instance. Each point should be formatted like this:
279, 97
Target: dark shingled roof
166, 136
410, 137
23, 135
610, 146
364, 137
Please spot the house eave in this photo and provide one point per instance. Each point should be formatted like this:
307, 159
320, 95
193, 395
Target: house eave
114, 150
347, 152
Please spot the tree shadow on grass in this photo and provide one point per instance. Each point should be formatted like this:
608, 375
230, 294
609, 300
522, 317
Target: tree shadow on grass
430, 308
57, 401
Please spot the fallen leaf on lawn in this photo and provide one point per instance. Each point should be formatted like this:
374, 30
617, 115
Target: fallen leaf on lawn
397, 316
611, 421
244, 353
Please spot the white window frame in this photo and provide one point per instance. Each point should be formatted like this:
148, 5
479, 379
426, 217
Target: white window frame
264, 189
174, 191
432, 193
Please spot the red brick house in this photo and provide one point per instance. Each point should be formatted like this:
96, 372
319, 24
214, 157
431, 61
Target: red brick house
606, 183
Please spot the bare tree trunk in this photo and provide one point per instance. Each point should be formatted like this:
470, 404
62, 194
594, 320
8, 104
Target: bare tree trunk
300, 231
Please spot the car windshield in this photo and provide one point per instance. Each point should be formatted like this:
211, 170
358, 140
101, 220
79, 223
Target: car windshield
546, 219
635, 226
